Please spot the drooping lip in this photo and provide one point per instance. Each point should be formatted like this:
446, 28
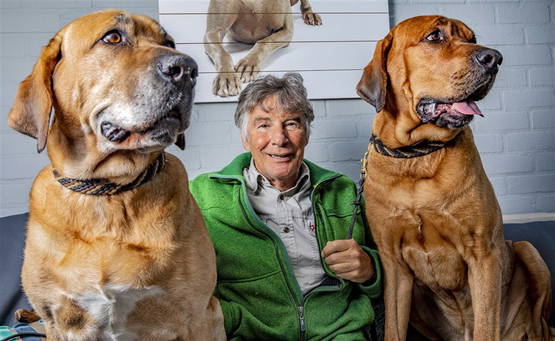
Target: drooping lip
117, 134
431, 109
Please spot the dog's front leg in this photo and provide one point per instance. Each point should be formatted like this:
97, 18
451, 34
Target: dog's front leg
485, 279
309, 17
397, 298
222, 15
249, 66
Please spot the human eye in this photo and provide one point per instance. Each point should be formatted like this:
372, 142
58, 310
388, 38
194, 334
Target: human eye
292, 125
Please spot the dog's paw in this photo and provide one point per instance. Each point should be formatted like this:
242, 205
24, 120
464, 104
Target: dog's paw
311, 18
226, 84
248, 69
25, 316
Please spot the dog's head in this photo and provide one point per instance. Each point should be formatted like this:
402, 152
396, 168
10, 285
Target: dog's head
113, 79
432, 67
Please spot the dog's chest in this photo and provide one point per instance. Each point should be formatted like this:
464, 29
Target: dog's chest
110, 306
432, 257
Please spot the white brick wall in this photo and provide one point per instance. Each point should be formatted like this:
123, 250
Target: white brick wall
516, 138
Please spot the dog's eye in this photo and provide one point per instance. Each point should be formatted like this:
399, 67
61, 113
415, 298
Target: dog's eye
435, 36
113, 37
169, 43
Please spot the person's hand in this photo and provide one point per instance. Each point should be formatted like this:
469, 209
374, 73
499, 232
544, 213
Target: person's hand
348, 260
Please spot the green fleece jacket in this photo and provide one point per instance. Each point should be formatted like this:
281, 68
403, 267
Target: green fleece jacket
258, 292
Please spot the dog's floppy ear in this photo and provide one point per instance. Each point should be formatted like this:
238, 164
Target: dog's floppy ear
372, 87
30, 114
180, 142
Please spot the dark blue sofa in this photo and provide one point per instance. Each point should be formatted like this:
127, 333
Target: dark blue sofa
12, 233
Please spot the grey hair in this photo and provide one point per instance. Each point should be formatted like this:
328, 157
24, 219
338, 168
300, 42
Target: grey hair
290, 94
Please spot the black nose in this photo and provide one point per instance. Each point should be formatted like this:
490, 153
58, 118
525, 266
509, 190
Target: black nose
177, 69
490, 59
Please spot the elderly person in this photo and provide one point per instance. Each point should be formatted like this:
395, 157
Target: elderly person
278, 223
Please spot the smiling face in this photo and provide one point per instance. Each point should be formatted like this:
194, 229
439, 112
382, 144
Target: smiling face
276, 139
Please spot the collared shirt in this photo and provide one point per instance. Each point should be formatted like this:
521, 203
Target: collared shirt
289, 214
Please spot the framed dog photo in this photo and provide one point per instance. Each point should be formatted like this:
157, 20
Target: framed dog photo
235, 41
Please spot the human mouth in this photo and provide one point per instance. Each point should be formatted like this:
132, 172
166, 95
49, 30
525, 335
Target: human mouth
280, 157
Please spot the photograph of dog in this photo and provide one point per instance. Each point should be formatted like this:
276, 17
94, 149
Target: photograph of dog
433, 213
266, 24
116, 246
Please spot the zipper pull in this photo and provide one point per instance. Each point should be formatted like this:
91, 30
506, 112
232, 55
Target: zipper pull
301, 317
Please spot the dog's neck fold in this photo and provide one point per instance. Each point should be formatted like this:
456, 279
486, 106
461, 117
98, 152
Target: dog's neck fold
78, 157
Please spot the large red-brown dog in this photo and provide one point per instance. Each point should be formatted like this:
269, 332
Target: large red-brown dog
432, 210
116, 247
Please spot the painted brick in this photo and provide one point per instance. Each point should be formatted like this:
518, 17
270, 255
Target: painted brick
517, 204
190, 157
525, 12
12, 45
49, 4
542, 76
34, 43
333, 129
364, 127
347, 151
525, 55
507, 163
22, 167
152, 5
9, 210
545, 162
499, 34
40, 21
477, 14
492, 100
10, 4
216, 112
319, 108
406, 11
18, 70
14, 193
531, 184
539, 141
216, 157
213, 133
500, 121
545, 203
511, 77
13, 143
348, 168
540, 34
490, 143
499, 185
543, 119
317, 151
524, 99
348, 107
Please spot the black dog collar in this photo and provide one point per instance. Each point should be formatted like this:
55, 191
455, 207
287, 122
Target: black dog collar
103, 187
420, 149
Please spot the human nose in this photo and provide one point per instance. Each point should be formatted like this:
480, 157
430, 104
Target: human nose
278, 136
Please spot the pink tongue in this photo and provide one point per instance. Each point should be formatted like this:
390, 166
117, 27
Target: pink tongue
467, 108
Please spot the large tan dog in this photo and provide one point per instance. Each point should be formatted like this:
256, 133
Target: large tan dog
432, 210
116, 247
268, 24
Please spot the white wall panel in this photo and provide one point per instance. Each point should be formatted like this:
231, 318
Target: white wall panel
330, 57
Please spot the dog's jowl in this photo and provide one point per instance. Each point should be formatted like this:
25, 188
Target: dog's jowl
432, 210
116, 247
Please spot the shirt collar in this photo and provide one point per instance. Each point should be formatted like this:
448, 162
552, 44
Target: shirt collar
256, 181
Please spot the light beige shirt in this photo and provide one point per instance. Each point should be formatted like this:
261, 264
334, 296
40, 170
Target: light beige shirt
289, 214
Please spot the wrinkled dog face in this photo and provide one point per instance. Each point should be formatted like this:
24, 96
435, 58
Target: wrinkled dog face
132, 89
450, 70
